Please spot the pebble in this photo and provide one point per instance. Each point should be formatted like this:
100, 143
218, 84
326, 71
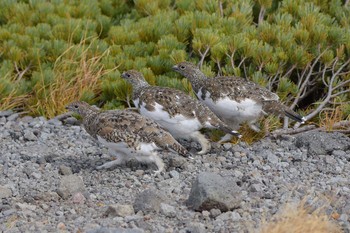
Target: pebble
5, 192
41, 159
119, 210
65, 170
167, 210
174, 174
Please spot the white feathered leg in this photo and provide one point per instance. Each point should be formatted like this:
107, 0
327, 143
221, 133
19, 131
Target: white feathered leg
205, 144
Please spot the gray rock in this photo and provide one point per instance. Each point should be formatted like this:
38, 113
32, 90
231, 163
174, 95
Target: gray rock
6, 113
177, 162
211, 190
54, 121
196, 228
26, 119
70, 185
148, 201
118, 210
115, 230
214, 213
13, 117
272, 158
320, 143
71, 121
29, 135
64, 170
5, 192
167, 210
174, 174
25, 206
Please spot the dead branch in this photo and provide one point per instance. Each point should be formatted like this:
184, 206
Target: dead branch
203, 55
331, 88
261, 15
341, 126
290, 131
20, 74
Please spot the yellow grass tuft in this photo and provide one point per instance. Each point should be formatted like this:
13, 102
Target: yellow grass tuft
12, 101
330, 116
77, 76
300, 219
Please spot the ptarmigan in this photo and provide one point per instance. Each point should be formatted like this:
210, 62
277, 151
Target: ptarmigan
179, 113
127, 134
234, 100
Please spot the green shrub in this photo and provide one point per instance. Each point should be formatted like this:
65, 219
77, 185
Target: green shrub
297, 48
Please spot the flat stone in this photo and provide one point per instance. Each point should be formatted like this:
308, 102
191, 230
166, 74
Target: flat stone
65, 170
70, 185
5, 192
118, 210
272, 158
212, 191
195, 227
174, 174
115, 230
78, 198
321, 143
167, 210
29, 135
6, 113
148, 201
25, 206
13, 117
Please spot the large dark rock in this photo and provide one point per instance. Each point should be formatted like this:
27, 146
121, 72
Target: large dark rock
211, 190
322, 143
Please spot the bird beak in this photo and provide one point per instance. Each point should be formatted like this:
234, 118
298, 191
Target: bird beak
123, 75
67, 108
175, 67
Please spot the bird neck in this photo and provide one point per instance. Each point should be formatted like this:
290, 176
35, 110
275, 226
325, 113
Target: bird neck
137, 88
197, 79
89, 113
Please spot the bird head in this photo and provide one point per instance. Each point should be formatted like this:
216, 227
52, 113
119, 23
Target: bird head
79, 107
134, 77
187, 69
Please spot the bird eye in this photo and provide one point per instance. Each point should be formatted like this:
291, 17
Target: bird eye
128, 75
182, 67
76, 106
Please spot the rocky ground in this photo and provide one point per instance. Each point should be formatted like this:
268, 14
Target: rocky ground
48, 182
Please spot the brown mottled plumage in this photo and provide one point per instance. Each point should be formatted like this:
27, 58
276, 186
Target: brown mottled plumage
234, 100
174, 110
126, 134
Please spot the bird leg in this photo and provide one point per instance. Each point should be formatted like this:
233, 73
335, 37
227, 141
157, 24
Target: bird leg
205, 144
120, 159
226, 138
158, 161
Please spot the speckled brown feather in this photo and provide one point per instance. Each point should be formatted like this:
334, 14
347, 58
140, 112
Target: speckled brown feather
235, 88
173, 102
127, 126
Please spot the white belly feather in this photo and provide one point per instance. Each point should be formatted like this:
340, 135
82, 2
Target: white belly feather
179, 126
231, 110
121, 147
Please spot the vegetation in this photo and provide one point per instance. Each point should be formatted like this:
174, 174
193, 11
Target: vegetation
52, 52
298, 218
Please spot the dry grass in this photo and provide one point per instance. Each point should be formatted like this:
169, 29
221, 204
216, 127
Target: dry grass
330, 116
300, 219
12, 101
76, 76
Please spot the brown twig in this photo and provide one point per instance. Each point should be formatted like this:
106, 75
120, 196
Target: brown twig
341, 126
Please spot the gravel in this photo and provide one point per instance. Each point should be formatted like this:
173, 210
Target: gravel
49, 181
